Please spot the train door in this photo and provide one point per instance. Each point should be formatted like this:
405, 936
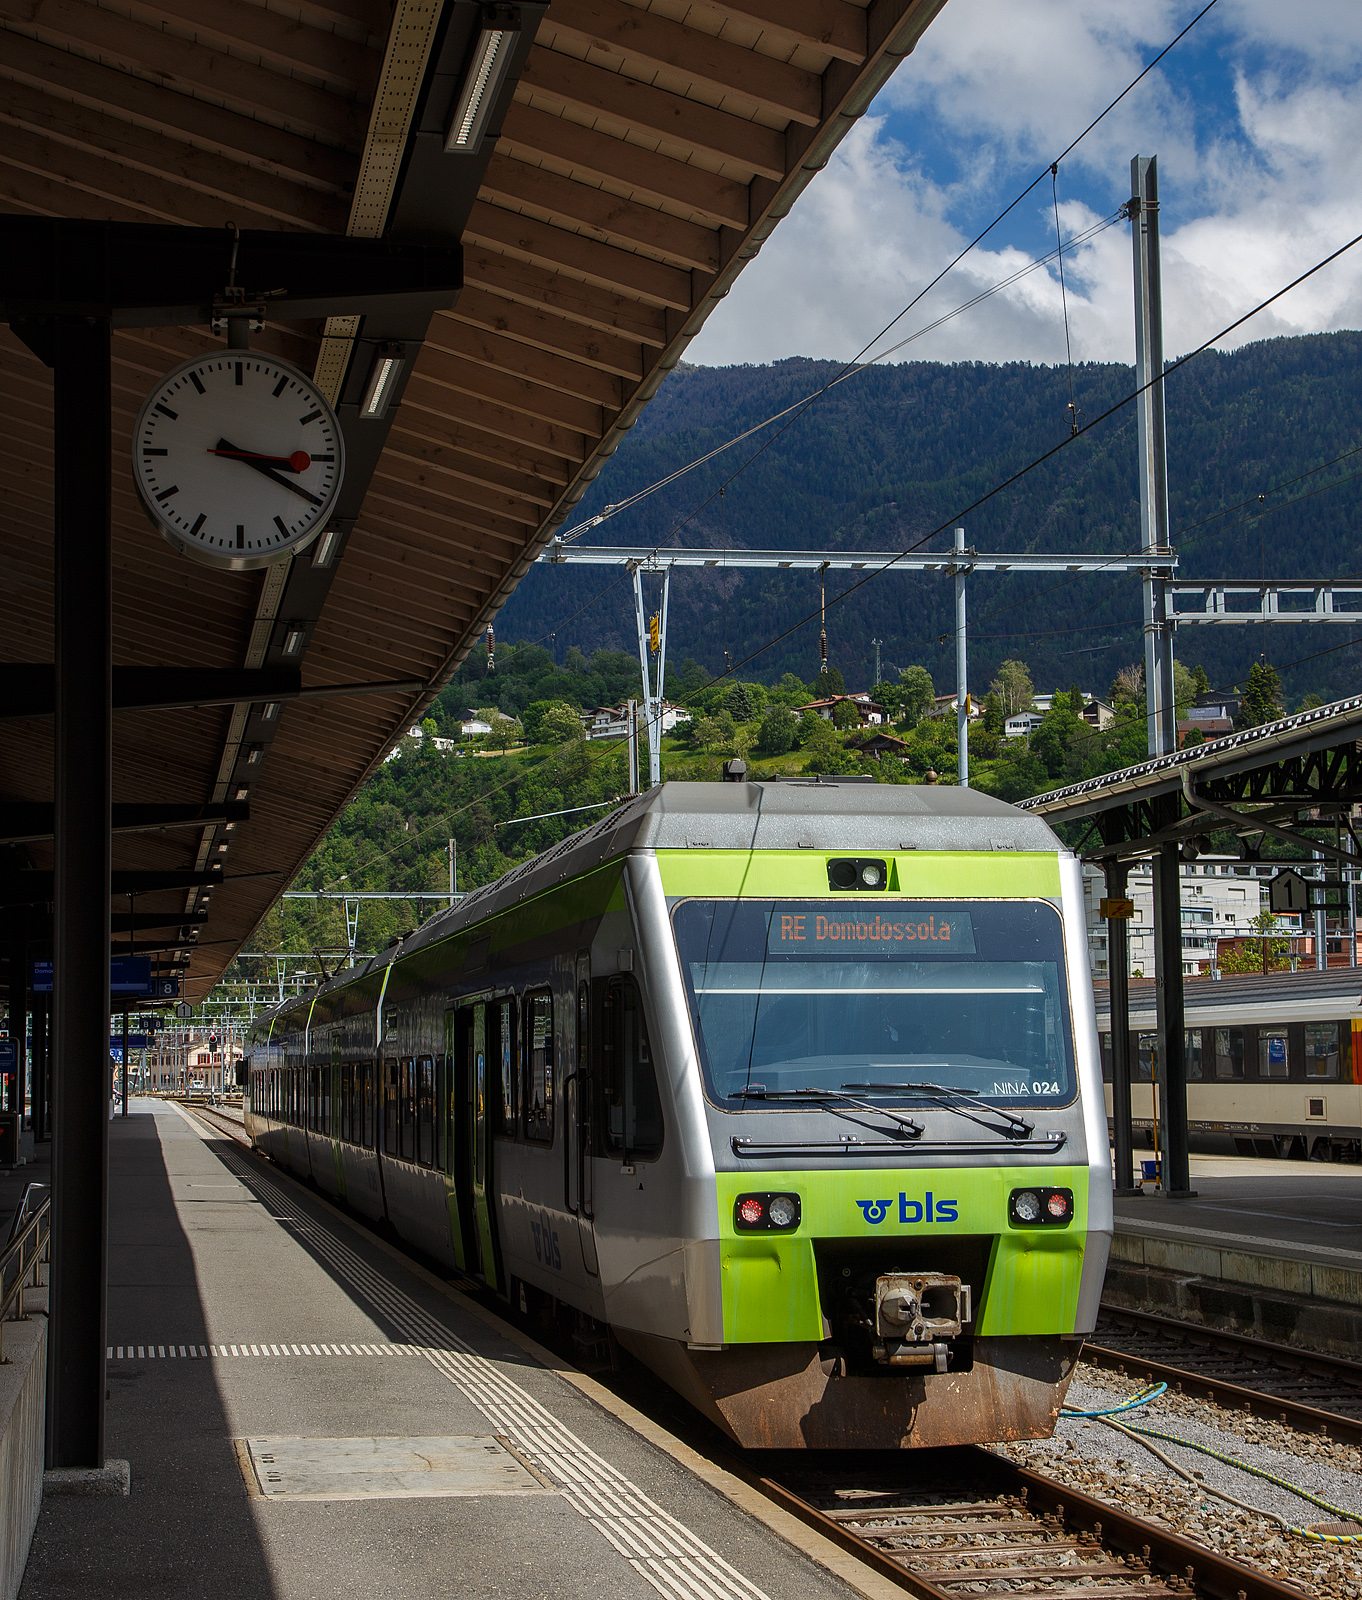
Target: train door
578, 1103
459, 1161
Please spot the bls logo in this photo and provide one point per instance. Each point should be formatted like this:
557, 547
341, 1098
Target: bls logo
929, 1210
546, 1244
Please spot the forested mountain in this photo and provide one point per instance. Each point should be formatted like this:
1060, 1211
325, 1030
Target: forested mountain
879, 462
895, 452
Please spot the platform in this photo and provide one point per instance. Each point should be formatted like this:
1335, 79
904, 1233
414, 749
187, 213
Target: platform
307, 1414
1272, 1248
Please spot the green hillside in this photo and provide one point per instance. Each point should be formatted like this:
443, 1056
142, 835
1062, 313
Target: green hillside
878, 463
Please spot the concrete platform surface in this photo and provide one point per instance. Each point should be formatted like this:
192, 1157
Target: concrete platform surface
1296, 1210
267, 1356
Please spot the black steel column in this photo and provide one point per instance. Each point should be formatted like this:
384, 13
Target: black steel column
1171, 1022
1118, 977
80, 950
125, 1065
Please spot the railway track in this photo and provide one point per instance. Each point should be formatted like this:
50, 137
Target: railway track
968, 1522
1317, 1393
954, 1523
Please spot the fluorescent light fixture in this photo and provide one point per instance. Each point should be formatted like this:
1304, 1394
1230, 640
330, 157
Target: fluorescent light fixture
389, 359
293, 641
243, 794
486, 73
270, 712
326, 548
253, 753
222, 847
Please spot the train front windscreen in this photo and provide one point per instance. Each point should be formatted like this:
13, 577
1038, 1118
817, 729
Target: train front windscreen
822, 995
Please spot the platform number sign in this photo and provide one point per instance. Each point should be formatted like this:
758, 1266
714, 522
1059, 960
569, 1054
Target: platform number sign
1287, 892
238, 459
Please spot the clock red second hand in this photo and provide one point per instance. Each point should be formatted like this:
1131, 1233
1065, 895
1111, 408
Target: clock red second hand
299, 461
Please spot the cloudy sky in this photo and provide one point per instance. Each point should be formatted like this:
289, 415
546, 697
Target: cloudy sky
1256, 120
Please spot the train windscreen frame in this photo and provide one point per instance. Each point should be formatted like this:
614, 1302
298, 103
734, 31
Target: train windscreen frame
969, 995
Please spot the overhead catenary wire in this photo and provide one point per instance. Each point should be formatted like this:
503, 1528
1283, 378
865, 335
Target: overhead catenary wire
978, 239
1039, 461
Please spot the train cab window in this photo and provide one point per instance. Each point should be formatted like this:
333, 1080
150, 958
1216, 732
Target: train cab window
501, 1049
538, 1059
1321, 1050
1229, 1052
425, 1111
1147, 1058
1273, 1053
631, 1120
1192, 1054
407, 1112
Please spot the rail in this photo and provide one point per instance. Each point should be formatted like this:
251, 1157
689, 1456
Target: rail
975, 1518
29, 1248
1305, 1389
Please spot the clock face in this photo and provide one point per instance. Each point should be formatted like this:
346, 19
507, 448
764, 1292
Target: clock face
238, 458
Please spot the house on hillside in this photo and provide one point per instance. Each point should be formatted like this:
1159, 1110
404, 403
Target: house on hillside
1212, 716
879, 744
612, 722
1023, 725
867, 710
943, 705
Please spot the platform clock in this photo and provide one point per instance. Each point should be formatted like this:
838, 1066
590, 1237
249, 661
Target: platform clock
238, 458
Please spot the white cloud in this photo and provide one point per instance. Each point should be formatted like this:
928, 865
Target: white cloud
1259, 183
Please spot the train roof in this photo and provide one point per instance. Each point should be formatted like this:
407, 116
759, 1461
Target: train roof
1285, 996
816, 814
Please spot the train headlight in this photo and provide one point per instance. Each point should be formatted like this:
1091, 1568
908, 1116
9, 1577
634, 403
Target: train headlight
857, 872
766, 1213
1040, 1207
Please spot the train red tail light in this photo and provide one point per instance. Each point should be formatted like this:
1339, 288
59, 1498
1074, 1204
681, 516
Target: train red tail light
766, 1213
1040, 1207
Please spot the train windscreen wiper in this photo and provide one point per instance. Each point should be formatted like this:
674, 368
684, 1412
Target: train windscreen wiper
909, 1127
944, 1095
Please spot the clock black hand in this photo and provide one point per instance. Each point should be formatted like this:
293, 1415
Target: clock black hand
226, 448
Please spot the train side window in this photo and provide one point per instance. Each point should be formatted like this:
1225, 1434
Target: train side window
1273, 1053
1321, 1050
425, 1111
366, 1104
538, 1059
505, 1057
631, 1123
1147, 1058
1192, 1054
407, 1113
1104, 1040
392, 1088
1229, 1052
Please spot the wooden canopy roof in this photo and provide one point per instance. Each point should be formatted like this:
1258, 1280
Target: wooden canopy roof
646, 150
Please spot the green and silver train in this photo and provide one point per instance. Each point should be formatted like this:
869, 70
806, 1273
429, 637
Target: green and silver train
792, 1086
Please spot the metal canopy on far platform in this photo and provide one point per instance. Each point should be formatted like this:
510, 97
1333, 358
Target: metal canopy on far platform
1255, 783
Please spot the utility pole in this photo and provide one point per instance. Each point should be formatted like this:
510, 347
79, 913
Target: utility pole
453, 869
1154, 536
961, 663
652, 640
877, 643
633, 746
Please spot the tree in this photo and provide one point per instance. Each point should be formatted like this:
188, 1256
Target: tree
1310, 702
574, 660
708, 732
560, 723
845, 715
1014, 688
1200, 682
993, 716
811, 727
1127, 685
1184, 691
1262, 954
828, 683
832, 758
1262, 700
778, 729
738, 703
917, 695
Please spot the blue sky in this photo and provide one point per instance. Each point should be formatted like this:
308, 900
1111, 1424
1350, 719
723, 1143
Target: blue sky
1256, 119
